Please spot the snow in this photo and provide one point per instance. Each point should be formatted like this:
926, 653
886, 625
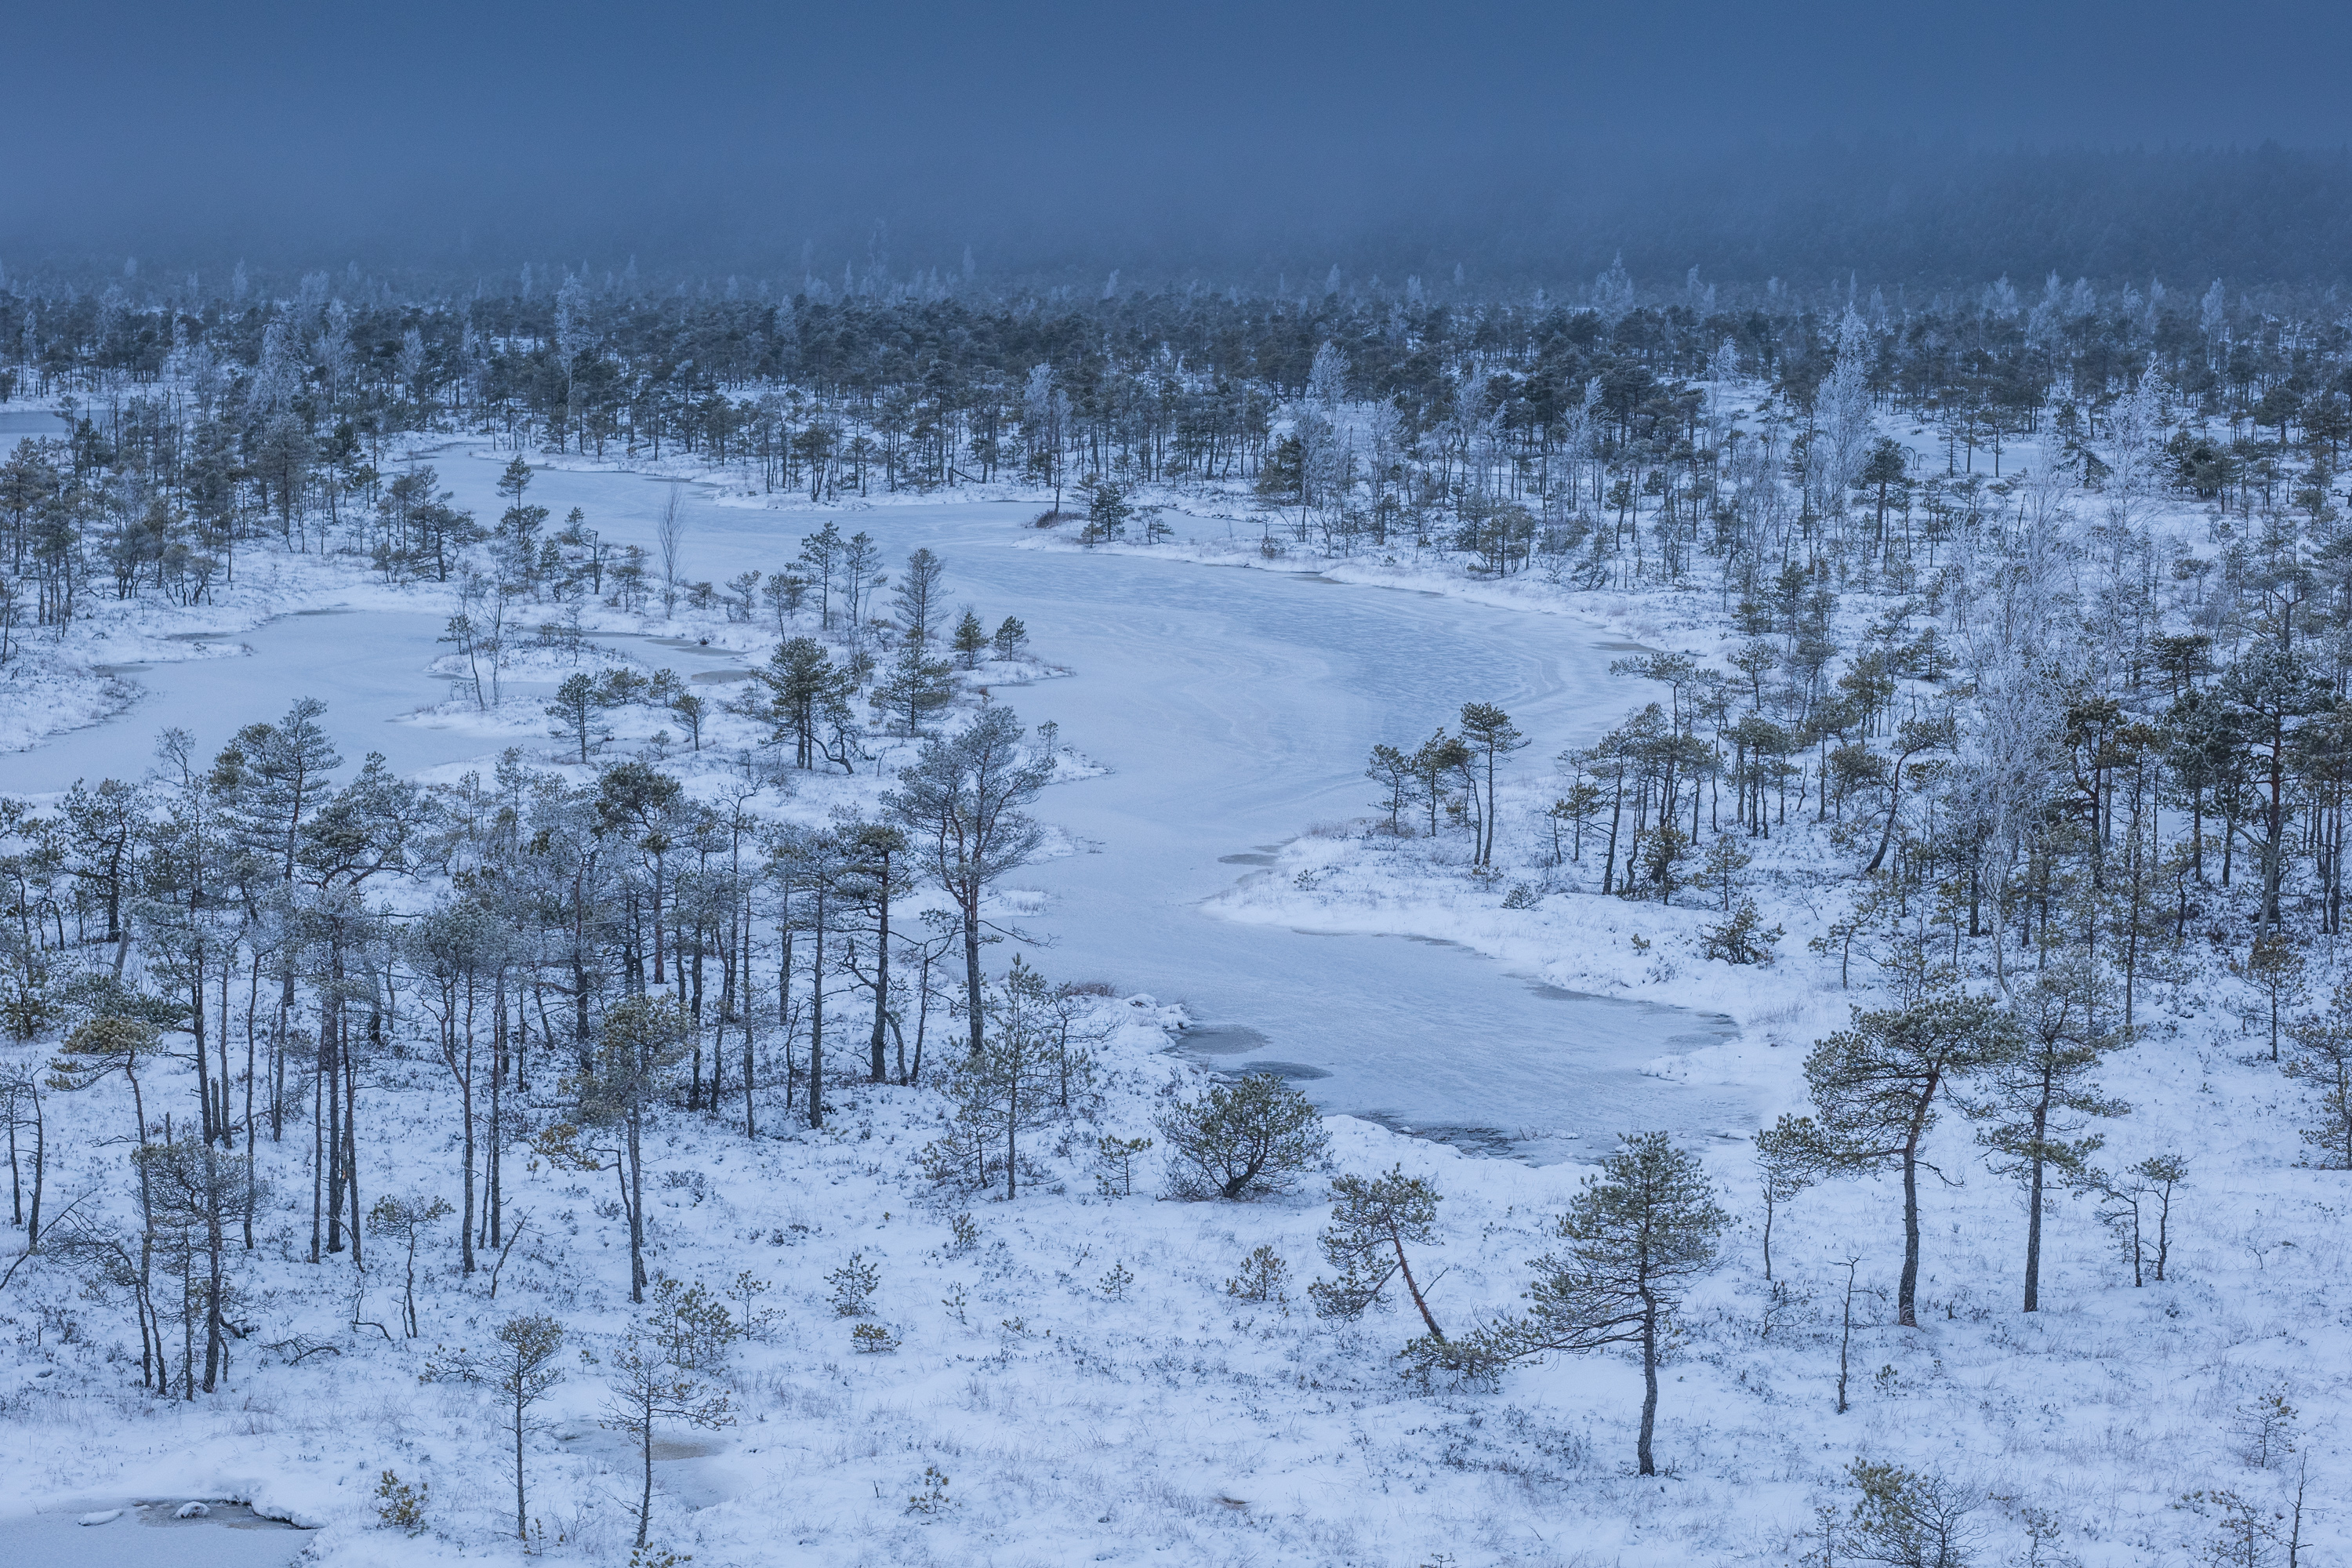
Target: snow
1229, 711
1222, 879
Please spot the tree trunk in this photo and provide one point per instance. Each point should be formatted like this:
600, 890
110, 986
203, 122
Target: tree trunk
1894, 806
465, 1121
498, 1051
646, 1498
522, 1409
1011, 1133
318, 1151
636, 1185
352, 1141
1648, 1466
215, 1243
816, 1021
1906, 1295
972, 966
879, 1067
2033, 1233
1412, 1289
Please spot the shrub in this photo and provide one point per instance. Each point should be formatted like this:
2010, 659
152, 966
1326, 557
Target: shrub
1742, 938
873, 1338
399, 1505
1242, 1140
853, 1285
1903, 1516
933, 1497
1117, 1177
1264, 1277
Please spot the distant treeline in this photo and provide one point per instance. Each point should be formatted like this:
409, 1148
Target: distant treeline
925, 385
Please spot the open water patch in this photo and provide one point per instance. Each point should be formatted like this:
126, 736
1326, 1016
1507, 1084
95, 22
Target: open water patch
1221, 1040
1488, 1143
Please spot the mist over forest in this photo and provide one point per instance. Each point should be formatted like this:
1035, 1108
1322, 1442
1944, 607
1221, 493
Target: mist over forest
1813, 215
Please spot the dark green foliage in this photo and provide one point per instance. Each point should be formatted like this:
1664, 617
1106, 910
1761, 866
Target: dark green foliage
1371, 1220
2323, 1060
1242, 1140
1742, 938
1876, 1087
1791, 1156
969, 639
2034, 1107
1910, 1518
1636, 1235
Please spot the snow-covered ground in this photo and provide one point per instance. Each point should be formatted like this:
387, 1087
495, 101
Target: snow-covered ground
1079, 1417
1230, 709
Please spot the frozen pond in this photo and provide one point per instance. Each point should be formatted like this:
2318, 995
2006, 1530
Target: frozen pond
1234, 708
148, 1535
16, 424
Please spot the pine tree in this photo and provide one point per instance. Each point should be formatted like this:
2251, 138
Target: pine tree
969, 639
1004, 1089
1107, 511
1433, 760
2035, 1103
916, 688
1636, 1234
577, 705
404, 1221
521, 1373
1790, 1157
918, 595
647, 1389
961, 805
1393, 772
1241, 1140
195, 1190
1371, 1220
2322, 1058
1725, 860
642, 1041
1489, 734
806, 690
1875, 1085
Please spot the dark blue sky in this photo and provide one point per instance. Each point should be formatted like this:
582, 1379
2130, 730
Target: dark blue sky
437, 131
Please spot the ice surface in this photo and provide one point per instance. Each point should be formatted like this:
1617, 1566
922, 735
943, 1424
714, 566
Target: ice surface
23, 424
150, 1536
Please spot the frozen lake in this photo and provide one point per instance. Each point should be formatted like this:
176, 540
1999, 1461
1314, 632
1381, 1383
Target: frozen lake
1234, 709
16, 424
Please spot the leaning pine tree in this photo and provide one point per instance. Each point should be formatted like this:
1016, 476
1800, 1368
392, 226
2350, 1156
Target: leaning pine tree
1372, 1219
